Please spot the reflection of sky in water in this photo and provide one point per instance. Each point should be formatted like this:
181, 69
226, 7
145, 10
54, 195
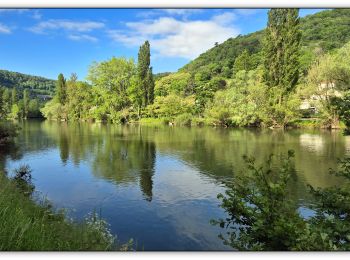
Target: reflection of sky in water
312, 142
177, 217
159, 186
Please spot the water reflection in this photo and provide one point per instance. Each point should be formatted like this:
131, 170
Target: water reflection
159, 184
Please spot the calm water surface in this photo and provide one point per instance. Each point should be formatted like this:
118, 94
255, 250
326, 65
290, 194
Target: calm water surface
158, 185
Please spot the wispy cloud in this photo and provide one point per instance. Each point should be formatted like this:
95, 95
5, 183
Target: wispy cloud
4, 29
67, 25
82, 37
37, 15
178, 37
171, 12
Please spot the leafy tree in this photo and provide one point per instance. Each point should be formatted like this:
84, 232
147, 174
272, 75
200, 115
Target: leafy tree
2, 104
145, 73
34, 108
330, 227
281, 50
150, 86
14, 97
170, 106
343, 108
173, 83
38, 85
243, 62
61, 91
327, 79
26, 99
15, 111
260, 217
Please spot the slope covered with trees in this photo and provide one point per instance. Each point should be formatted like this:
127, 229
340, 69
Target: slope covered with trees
37, 85
321, 32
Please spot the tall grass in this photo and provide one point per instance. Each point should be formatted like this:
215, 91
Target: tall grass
29, 226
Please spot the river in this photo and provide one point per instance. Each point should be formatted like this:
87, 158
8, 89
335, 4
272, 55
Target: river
159, 185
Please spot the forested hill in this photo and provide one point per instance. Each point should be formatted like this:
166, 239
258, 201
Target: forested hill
38, 85
326, 30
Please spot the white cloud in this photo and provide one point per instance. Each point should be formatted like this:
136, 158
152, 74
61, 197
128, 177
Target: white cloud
172, 12
82, 37
37, 15
178, 38
4, 29
224, 18
67, 25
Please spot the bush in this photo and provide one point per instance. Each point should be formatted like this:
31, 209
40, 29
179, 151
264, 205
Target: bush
7, 132
26, 225
183, 119
261, 217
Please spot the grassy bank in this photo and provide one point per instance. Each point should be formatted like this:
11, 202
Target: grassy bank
27, 225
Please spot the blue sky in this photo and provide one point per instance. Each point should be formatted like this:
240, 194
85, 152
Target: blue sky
46, 42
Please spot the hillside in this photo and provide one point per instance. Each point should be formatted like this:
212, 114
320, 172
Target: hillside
38, 85
328, 30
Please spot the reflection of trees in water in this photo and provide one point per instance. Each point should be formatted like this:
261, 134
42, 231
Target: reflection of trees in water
117, 153
127, 154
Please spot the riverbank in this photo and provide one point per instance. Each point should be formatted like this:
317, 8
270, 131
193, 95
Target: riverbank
26, 225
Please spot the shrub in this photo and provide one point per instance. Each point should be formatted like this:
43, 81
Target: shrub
183, 119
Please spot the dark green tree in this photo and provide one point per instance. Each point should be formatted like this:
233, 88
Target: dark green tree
242, 62
2, 104
26, 100
14, 97
281, 45
143, 69
61, 91
150, 85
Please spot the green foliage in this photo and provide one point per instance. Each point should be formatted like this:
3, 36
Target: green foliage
52, 110
243, 62
261, 217
327, 79
145, 74
183, 119
176, 83
26, 103
247, 102
34, 226
61, 89
170, 106
343, 108
38, 85
330, 228
326, 30
14, 97
281, 49
7, 132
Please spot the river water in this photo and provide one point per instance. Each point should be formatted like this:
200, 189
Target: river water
159, 185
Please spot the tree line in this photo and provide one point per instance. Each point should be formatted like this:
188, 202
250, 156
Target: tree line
264, 88
14, 105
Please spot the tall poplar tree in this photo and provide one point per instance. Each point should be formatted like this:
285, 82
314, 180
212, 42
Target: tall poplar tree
281, 50
25, 102
2, 104
14, 96
143, 69
61, 90
150, 85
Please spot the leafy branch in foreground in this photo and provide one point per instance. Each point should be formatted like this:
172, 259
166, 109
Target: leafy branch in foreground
261, 217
